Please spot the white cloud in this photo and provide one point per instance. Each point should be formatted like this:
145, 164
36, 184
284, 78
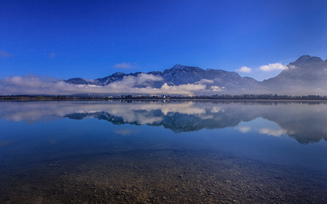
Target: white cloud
216, 88
125, 65
244, 69
205, 81
271, 67
184, 89
143, 78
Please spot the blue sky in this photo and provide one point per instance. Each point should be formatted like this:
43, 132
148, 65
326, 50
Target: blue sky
92, 39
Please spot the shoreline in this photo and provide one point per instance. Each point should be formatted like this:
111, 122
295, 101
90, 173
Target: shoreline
146, 99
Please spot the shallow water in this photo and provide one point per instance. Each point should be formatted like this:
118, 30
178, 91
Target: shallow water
163, 152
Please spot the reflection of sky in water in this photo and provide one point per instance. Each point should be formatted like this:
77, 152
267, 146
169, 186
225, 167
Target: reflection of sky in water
81, 134
258, 131
303, 121
262, 126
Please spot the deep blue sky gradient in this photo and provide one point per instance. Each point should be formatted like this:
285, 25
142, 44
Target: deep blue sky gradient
86, 39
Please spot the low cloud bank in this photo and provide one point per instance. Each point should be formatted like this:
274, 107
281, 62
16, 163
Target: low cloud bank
35, 85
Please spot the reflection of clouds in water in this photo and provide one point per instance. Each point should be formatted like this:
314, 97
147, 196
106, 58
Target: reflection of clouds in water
142, 119
272, 132
4, 144
206, 117
30, 112
216, 109
262, 126
307, 123
142, 113
183, 108
243, 129
34, 111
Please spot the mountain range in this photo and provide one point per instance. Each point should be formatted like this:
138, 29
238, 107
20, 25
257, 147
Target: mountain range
306, 76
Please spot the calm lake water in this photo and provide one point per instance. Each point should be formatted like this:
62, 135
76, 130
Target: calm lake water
163, 152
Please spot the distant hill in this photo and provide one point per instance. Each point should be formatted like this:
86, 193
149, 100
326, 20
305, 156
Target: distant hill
179, 75
306, 76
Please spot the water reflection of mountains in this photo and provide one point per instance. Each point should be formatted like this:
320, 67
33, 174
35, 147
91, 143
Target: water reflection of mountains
177, 122
306, 122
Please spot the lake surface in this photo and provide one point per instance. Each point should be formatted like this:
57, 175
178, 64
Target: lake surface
163, 152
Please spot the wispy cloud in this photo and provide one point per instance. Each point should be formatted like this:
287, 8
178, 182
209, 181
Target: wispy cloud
287, 60
125, 65
271, 67
4, 54
244, 69
205, 81
52, 55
